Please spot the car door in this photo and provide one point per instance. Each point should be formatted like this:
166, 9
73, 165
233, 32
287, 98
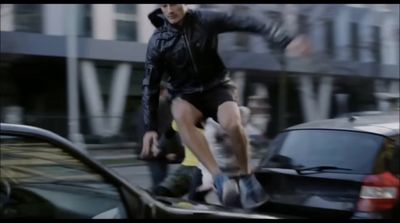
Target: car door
42, 179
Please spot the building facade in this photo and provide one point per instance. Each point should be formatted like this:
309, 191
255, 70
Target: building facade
355, 55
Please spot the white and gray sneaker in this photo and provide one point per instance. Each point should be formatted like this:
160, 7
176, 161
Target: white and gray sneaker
252, 194
227, 191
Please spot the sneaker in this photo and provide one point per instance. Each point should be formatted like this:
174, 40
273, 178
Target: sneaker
227, 190
252, 194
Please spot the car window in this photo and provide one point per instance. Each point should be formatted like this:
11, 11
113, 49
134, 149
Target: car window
388, 159
346, 149
39, 179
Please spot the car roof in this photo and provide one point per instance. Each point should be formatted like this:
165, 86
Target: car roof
30, 130
387, 125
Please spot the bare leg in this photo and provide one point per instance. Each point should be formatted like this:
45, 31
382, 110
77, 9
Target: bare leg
186, 117
229, 119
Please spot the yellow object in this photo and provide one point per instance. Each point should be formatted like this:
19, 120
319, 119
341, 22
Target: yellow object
184, 205
190, 159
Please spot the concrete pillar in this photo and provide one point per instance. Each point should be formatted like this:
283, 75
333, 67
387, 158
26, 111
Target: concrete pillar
91, 95
145, 28
239, 77
105, 121
306, 89
384, 90
389, 39
119, 91
54, 19
342, 35
7, 17
318, 36
315, 106
324, 96
103, 22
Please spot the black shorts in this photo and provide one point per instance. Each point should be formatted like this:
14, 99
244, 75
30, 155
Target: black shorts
207, 102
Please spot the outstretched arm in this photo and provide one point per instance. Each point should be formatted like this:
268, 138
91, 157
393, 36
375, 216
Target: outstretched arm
220, 22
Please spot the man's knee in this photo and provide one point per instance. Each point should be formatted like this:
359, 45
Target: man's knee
184, 113
231, 125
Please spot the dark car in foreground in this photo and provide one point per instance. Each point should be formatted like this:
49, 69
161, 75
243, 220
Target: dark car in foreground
45, 176
336, 168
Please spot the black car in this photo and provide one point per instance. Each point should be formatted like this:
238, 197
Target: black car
45, 176
336, 168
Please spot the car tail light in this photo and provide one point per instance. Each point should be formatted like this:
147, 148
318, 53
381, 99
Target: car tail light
379, 193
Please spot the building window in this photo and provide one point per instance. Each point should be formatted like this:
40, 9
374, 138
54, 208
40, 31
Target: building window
126, 22
329, 38
206, 6
376, 44
85, 20
28, 17
241, 40
275, 16
303, 24
354, 39
125, 8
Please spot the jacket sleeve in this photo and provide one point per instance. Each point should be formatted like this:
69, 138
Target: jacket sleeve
151, 85
273, 32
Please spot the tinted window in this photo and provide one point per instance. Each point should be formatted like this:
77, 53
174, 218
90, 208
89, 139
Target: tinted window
126, 22
41, 180
126, 30
125, 8
85, 20
307, 148
28, 17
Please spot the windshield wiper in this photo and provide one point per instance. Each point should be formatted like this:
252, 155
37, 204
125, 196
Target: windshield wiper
320, 169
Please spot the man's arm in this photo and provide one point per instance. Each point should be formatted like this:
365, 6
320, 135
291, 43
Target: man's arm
221, 22
151, 85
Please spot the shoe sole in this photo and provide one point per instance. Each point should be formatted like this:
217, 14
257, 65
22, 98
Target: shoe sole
258, 204
231, 193
264, 197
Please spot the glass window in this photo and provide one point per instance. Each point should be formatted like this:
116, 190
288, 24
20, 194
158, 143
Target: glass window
376, 43
308, 148
85, 20
126, 30
126, 24
354, 39
28, 17
275, 16
303, 24
241, 39
329, 38
126, 8
40, 179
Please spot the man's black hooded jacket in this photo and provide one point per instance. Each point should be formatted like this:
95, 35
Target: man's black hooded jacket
188, 54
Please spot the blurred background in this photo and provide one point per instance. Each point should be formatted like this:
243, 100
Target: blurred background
76, 69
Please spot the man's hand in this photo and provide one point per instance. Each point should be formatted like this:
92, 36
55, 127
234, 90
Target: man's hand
300, 46
150, 140
171, 156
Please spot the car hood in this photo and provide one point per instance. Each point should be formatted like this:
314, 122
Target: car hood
186, 207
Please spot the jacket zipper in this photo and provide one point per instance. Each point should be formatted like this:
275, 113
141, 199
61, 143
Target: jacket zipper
190, 53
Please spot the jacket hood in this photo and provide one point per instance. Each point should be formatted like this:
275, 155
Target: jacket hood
157, 18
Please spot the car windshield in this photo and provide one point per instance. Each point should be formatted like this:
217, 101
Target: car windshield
40, 162
309, 148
